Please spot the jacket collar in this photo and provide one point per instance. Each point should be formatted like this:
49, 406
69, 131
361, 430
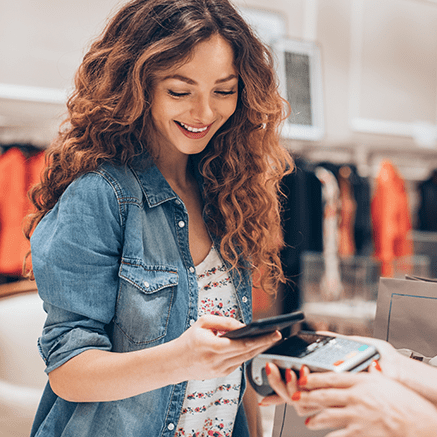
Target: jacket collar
154, 186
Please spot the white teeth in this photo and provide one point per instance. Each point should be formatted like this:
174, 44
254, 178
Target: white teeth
193, 129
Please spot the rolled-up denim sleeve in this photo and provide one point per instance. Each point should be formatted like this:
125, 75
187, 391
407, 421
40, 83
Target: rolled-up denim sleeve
76, 256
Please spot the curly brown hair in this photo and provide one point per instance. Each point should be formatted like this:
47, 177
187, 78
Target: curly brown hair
109, 118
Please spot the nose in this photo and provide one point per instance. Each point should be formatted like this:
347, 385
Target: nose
202, 110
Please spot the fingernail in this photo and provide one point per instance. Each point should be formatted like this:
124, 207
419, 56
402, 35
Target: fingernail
288, 375
307, 420
302, 381
302, 377
376, 365
296, 396
268, 369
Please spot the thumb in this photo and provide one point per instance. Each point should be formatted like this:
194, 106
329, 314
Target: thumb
219, 323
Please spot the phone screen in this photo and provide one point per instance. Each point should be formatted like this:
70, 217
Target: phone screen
300, 345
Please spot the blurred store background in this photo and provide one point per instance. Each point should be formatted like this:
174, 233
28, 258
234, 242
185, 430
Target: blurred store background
361, 77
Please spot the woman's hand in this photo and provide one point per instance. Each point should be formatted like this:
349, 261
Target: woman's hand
365, 404
205, 354
199, 353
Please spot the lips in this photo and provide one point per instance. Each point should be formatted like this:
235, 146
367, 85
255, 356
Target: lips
193, 132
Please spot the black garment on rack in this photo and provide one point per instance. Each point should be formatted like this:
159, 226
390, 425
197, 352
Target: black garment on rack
26, 148
302, 226
302, 221
427, 211
363, 219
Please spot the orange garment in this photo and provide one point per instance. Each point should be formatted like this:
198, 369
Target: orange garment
260, 299
34, 168
390, 218
16, 176
346, 245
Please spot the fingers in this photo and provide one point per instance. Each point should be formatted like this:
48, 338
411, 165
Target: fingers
261, 341
240, 351
285, 389
207, 355
325, 390
330, 418
331, 380
289, 391
219, 323
324, 398
235, 352
215, 324
221, 354
246, 349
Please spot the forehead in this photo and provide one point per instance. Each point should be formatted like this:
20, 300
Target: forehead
213, 59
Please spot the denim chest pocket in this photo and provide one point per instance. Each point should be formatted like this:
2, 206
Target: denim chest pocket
144, 301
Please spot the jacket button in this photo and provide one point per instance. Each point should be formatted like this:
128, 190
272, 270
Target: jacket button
181, 224
192, 322
170, 426
146, 284
192, 269
244, 299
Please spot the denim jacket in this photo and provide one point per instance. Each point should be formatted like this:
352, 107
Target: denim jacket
113, 267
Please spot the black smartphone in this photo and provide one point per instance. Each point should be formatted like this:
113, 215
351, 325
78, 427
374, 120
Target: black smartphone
265, 326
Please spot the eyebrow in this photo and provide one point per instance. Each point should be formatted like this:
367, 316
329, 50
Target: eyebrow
193, 82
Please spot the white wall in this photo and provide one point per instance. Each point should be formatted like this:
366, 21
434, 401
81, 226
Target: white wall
378, 62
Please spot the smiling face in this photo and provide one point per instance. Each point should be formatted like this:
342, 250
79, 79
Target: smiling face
192, 102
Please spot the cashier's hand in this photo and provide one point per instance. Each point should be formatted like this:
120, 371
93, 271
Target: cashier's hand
391, 362
287, 391
365, 404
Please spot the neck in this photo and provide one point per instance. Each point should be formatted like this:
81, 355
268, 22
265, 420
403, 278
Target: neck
177, 173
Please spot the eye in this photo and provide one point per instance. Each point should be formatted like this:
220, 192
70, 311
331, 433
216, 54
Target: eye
226, 93
175, 94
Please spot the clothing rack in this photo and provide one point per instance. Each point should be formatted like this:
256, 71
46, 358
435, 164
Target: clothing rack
27, 149
414, 164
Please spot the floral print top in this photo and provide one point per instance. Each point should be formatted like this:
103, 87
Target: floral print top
210, 406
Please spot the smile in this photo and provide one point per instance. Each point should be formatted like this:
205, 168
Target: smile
193, 132
193, 129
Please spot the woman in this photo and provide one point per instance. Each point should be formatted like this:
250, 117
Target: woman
396, 398
160, 201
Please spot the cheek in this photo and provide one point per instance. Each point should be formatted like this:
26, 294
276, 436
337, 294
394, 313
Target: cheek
163, 108
162, 114
229, 108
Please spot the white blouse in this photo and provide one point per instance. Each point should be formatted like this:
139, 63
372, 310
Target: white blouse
210, 406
